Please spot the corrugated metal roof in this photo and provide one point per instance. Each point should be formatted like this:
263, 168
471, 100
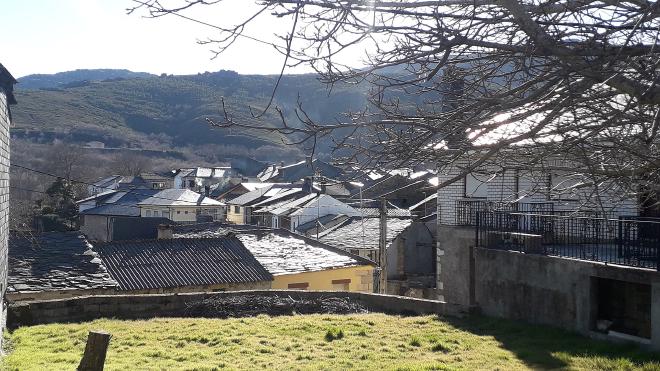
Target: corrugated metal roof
153, 264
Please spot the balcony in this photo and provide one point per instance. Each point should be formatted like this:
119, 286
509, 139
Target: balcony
628, 241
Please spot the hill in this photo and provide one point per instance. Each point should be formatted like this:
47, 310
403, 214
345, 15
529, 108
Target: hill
167, 112
68, 78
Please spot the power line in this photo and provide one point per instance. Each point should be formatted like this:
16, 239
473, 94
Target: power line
131, 189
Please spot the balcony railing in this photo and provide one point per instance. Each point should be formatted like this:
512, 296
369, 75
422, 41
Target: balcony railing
629, 241
467, 210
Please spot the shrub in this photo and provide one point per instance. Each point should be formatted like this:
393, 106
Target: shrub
334, 334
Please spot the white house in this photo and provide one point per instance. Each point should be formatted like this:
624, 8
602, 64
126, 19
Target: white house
200, 179
181, 205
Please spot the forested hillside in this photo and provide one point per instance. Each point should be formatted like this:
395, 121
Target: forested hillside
169, 112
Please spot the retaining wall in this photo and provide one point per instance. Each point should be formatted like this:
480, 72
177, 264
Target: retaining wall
176, 305
551, 290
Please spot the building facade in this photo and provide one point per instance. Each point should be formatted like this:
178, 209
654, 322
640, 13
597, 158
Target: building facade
7, 82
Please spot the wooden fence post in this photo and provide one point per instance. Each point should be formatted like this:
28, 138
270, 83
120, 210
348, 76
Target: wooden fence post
97, 346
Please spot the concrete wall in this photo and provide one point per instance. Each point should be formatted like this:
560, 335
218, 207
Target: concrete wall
361, 279
551, 290
454, 264
175, 305
96, 227
411, 253
4, 199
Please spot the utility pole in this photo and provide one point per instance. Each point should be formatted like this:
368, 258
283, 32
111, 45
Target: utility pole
382, 248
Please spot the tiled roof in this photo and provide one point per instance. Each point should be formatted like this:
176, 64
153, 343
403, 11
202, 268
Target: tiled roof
180, 197
153, 264
281, 252
54, 261
358, 233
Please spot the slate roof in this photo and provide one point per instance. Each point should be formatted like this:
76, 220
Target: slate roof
180, 197
7, 82
282, 252
260, 194
166, 263
54, 261
120, 203
362, 233
298, 171
374, 212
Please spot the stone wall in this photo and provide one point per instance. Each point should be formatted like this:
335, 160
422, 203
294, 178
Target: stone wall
175, 305
27, 296
4, 197
551, 290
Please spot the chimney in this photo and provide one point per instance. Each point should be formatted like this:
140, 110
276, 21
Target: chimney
165, 232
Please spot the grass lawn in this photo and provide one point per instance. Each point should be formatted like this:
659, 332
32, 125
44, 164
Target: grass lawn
331, 342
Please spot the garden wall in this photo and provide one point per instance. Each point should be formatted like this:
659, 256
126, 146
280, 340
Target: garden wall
177, 305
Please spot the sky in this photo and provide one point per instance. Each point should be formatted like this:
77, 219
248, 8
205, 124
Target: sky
48, 36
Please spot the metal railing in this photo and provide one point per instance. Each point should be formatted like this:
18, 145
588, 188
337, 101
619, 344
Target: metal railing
629, 241
467, 210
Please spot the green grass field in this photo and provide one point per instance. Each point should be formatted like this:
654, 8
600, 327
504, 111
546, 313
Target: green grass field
330, 342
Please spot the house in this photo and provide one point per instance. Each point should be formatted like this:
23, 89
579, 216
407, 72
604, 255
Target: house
7, 99
519, 243
297, 172
181, 205
402, 188
296, 262
54, 265
200, 179
183, 265
239, 209
115, 215
235, 188
290, 213
158, 180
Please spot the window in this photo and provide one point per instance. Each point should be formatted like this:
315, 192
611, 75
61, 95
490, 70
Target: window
166, 214
475, 186
148, 213
341, 285
156, 214
237, 209
178, 211
191, 184
298, 286
186, 212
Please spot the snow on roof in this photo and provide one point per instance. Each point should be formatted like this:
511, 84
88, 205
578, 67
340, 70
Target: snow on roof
180, 197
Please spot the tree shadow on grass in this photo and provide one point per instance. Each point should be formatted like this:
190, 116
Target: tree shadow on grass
548, 347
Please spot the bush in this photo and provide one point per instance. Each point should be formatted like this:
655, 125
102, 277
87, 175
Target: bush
334, 334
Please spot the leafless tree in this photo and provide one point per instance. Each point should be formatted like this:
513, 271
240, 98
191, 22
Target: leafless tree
130, 164
499, 83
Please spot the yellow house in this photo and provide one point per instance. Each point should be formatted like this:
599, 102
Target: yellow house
298, 262
181, 205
